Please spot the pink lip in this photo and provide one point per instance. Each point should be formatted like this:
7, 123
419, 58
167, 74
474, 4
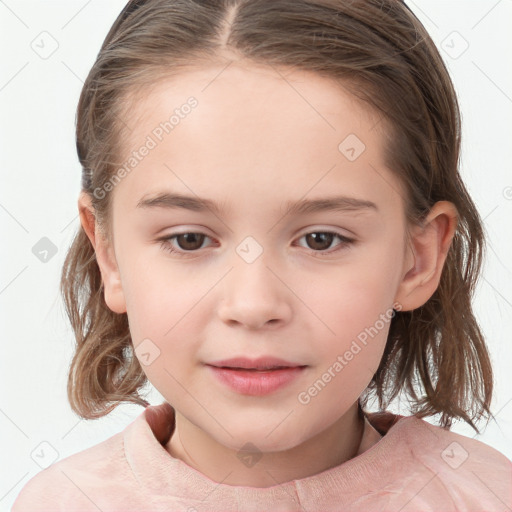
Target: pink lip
241, 376
261, 363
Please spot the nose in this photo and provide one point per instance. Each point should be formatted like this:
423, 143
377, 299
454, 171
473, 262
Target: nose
255, 295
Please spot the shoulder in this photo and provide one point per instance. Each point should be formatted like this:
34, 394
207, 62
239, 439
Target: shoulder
468, 472
457, 449
74, 482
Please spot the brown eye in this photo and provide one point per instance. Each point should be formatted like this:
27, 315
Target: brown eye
319, 241
183, 244
189, 241
186, 244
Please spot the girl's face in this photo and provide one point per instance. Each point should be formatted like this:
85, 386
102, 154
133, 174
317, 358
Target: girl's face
257, 279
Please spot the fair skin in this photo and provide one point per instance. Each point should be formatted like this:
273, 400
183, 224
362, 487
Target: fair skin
252, 144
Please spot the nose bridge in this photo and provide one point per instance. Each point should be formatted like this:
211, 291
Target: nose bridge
252, 294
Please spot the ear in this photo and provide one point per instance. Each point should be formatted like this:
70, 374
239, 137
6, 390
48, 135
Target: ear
426, 256
105, 256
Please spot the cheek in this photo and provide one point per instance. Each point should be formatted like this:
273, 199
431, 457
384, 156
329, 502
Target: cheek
158, 293
355, 307
359, 314
352, 298
166, 313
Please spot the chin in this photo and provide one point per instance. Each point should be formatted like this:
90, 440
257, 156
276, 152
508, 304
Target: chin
260, 438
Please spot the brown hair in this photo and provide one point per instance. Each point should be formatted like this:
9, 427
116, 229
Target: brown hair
382, 53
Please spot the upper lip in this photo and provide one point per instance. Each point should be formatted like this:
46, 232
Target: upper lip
261, 363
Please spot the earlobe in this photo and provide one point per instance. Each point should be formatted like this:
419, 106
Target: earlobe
105, 257
426, 256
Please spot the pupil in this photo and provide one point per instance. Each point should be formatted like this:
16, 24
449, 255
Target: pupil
189, 239
317, 237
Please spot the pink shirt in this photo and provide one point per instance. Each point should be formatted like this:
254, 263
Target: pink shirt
415, 466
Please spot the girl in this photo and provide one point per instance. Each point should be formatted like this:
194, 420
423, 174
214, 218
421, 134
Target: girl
273, 227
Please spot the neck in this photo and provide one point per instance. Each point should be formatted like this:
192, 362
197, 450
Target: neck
340, 442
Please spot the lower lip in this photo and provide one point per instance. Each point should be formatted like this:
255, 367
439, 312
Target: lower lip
256, 383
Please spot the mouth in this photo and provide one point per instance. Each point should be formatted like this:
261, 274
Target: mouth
259, 370
256, 381
261, 364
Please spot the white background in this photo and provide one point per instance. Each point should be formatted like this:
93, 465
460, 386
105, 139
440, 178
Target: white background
40, 182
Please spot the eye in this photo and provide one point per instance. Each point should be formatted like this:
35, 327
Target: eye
190, 242
187, 242
320, 240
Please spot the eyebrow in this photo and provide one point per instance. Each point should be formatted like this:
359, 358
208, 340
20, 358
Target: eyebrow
337, 203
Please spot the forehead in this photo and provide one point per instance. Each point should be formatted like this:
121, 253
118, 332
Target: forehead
252, 128
249, 97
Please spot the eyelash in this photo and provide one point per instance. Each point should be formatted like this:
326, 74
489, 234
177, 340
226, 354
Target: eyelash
165, 243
